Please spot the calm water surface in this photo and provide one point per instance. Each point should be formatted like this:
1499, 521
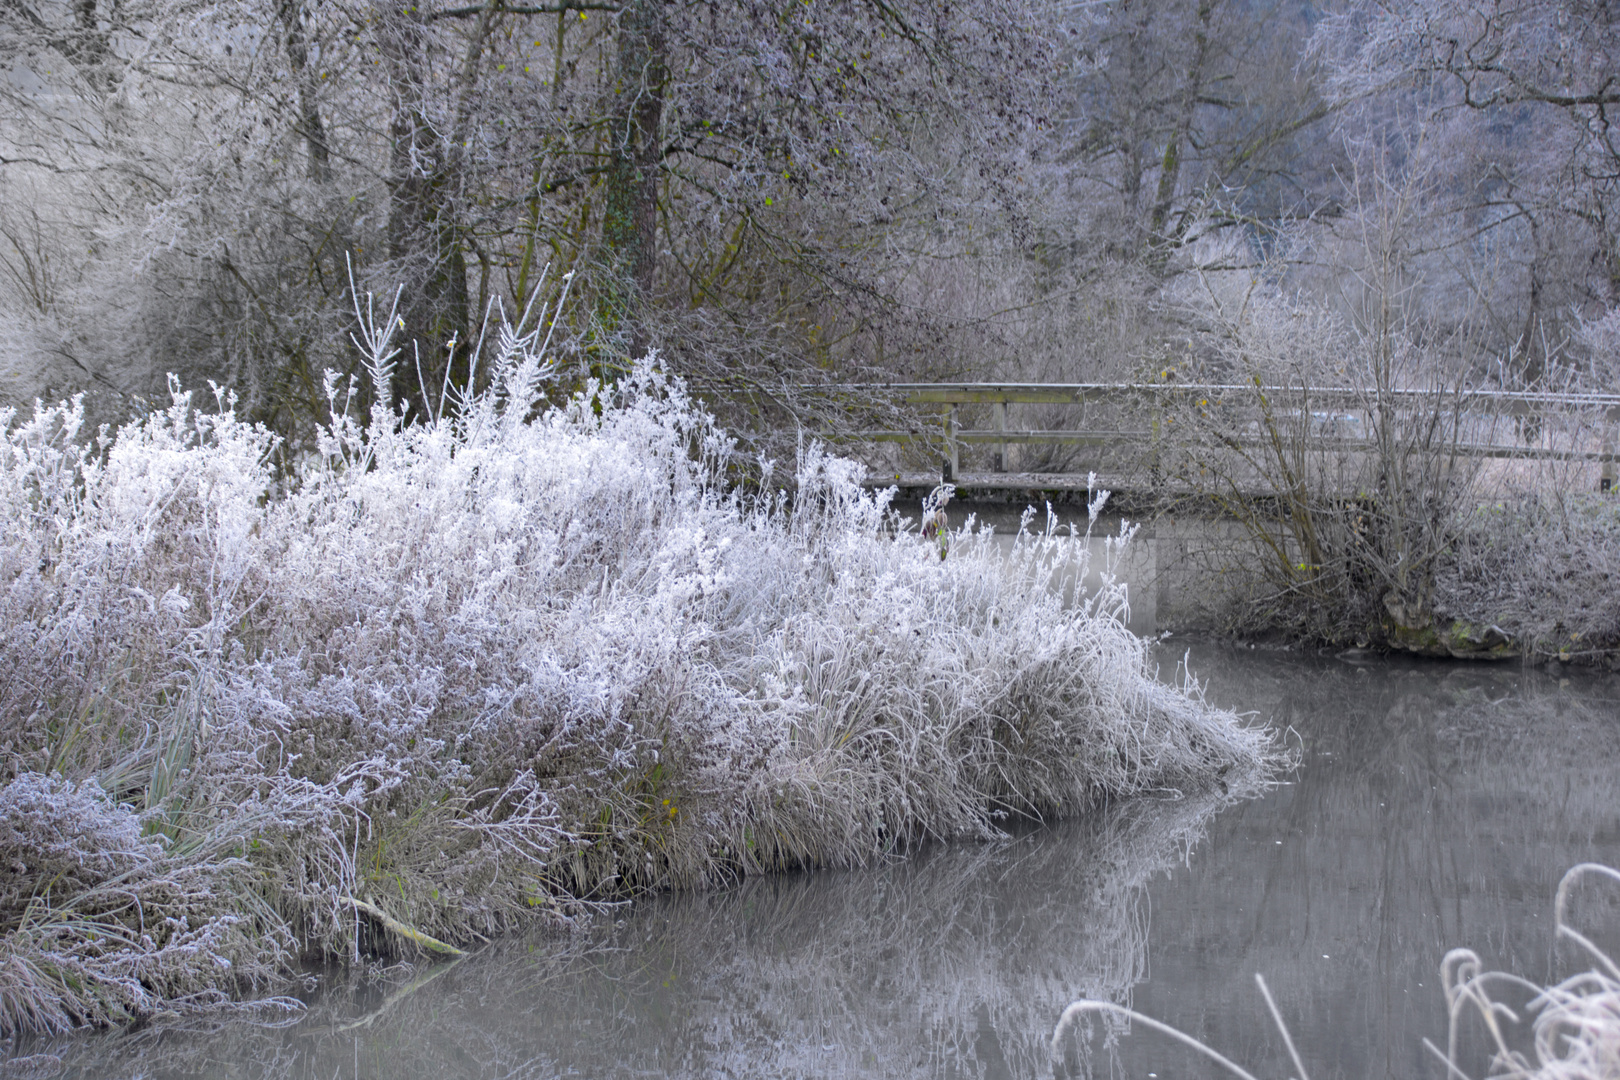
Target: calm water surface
1437, 806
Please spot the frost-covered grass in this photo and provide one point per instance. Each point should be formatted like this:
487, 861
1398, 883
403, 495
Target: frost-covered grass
1541, 563
1574, 1025
908, 969
460, 675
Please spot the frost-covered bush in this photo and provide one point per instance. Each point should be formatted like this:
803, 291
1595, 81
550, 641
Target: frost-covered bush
911, 969
1542, 565
461, 674
102, 922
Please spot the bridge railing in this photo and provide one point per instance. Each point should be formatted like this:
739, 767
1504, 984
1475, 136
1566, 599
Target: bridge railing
1338, 418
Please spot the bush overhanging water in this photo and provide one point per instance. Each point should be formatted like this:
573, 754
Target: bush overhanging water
461, 674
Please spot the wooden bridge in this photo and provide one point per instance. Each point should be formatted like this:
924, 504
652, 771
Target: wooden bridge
1139, 420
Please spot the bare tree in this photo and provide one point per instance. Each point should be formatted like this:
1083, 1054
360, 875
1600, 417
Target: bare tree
1523, 95
748, 186
1193, 113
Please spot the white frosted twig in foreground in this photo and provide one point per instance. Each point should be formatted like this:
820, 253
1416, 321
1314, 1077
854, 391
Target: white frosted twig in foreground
1576, 1023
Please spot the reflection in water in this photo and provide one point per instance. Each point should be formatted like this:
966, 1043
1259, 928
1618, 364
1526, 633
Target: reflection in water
1438, 805
952, 963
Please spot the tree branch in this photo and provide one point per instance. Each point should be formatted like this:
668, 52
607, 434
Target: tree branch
524, 9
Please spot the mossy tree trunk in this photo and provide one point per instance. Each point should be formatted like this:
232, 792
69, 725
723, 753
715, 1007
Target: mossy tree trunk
425, 242
1159, 244
634, 152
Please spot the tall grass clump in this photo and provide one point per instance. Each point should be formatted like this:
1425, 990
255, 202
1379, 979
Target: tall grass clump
758, 980
460, 674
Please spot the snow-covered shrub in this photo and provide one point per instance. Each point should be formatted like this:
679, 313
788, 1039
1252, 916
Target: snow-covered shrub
1541, 564
102, 922
460, 674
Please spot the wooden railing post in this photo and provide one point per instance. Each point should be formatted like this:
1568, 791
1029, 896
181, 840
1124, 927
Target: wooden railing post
953, 463
1000, 412
1154, 461
1606, 476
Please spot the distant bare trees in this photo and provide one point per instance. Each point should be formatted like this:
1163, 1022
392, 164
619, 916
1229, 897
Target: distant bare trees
742, 183
1517, 102
772, 193
1192, 113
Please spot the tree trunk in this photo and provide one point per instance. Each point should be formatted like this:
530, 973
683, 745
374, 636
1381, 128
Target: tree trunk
87, 46
309, 118
424, 241
630, 216
1159, 244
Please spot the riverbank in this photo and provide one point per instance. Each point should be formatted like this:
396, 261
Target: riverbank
1436, 806
1526, 575
454, 680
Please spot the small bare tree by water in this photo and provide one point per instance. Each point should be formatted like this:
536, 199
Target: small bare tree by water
1382, 496
1377, 475
1336, 447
